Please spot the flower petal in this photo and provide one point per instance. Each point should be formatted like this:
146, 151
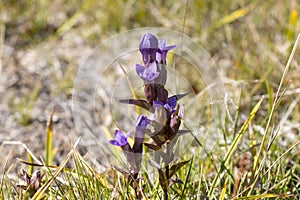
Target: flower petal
114, 142
163, 50
148, 47
148, 73
168, 48
139, 69
142, 121
148, 41
120, 139
151, 72
171, 102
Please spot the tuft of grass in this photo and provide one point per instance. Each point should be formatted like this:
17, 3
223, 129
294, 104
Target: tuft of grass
252, 39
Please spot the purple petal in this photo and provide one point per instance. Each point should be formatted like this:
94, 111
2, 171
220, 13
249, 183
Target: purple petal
161, 44
148, 41
151, 72
148, 47
120, 139
148, 73
114, 142
146, 55
168, 48
158, 57
163, 50
139, 69
142, 121
171, 102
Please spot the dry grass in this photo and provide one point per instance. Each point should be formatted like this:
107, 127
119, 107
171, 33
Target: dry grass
42, 44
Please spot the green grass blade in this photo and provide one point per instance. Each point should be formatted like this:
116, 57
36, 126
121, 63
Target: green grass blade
41, 192
277, 96
234, 145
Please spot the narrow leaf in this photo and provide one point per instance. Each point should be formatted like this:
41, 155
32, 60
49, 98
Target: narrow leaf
49, 136
177, 166
121, 170
222, 197
261, 196
138, 102
234, 144
163, 180
152, 146
179, 96
235, 15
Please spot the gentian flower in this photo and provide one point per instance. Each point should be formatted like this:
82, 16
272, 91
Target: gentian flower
120, 139
148, 73
148, 48
171, 104
141, 122
140, 128
162, 52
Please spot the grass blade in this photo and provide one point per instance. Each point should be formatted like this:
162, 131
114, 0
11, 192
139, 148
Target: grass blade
49, 138
234, 145
273, 109
40, 193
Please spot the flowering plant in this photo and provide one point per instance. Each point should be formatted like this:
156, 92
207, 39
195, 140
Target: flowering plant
167, 116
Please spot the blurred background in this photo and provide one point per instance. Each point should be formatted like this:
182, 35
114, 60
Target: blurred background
43, 43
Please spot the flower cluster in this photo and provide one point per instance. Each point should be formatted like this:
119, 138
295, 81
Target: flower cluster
167, 113
153, 72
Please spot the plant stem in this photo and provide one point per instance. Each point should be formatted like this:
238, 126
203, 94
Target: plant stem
167, 172
166, 192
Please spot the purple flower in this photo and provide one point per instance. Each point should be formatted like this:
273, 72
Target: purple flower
141, 121
148, 73
120, 139
162, 52
140, 129
148, 48
171, 103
